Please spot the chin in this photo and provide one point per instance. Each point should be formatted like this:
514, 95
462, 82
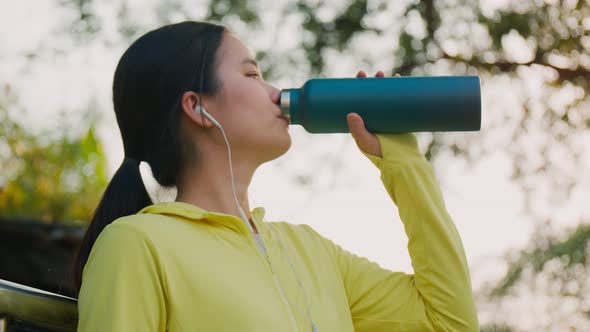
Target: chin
279, 147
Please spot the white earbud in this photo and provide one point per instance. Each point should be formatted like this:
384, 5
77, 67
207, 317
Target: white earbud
201, 109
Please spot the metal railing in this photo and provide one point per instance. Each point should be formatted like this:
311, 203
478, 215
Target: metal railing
24, 308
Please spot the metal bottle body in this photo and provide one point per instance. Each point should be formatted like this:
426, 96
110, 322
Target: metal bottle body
386, 104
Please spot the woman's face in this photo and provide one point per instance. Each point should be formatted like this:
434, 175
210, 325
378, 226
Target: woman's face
246, 106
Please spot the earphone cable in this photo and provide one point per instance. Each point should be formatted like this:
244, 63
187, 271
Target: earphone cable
260, 243
307, 302
231, 172
263, 249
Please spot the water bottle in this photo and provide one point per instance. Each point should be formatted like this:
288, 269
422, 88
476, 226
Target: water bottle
386, 104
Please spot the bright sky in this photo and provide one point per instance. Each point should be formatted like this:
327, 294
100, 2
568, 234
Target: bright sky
350, 207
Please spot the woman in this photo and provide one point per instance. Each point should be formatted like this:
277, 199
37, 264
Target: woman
206, 262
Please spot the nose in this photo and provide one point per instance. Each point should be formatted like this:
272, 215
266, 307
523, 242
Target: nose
274, 93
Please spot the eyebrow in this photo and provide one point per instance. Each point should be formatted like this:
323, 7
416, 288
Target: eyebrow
250, 61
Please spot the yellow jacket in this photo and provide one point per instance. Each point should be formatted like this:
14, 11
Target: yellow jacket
174, 266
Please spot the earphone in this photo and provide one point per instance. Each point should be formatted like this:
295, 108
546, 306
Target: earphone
200, 109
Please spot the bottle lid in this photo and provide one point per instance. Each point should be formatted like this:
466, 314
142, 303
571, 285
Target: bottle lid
285, 103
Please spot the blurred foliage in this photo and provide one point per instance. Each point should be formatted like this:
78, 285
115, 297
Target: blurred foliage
85, 23
557, 32
496, 328
219, 9
453, 35
555, 266
47, 176
569, 253
335, 33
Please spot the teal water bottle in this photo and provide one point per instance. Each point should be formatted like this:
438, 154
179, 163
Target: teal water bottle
386, 104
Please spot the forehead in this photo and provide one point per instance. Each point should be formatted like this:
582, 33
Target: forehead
232, 50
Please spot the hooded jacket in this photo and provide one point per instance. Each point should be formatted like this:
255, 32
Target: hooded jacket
177, 267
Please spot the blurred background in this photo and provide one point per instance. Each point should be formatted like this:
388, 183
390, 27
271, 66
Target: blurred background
518, 190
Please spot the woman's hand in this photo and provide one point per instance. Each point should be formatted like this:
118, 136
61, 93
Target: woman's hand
364, 139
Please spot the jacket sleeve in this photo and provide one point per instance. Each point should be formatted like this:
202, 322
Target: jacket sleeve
438, 296
122, 285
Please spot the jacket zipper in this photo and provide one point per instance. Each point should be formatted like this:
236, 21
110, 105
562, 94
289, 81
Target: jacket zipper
276, 281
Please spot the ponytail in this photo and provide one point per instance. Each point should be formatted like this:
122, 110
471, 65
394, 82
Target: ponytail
150, 79
125, 195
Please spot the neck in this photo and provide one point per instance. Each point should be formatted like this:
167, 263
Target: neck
210, 187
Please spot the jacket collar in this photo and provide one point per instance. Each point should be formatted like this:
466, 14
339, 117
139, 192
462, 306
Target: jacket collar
195, 213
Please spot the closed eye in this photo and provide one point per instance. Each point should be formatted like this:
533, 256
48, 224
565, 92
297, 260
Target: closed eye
253, 74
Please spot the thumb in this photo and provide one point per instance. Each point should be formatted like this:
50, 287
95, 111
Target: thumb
357, 128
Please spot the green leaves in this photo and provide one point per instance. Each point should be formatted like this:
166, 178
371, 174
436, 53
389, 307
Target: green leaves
48, 175
569, 253
335, 33
244, 10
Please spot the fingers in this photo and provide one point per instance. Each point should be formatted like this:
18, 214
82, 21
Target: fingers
357, 125
379, 73
354, 120
357, 128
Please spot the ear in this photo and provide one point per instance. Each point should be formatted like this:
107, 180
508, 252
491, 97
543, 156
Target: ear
189, 101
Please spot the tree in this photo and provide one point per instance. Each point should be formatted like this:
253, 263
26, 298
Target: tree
47, 176
554, 264
539, 43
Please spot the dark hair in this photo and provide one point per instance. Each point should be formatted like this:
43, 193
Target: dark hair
150, 79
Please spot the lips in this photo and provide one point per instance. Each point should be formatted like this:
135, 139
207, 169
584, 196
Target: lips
284, 118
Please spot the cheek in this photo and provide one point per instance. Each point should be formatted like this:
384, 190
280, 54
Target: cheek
242, 99
242, 91
241, 103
